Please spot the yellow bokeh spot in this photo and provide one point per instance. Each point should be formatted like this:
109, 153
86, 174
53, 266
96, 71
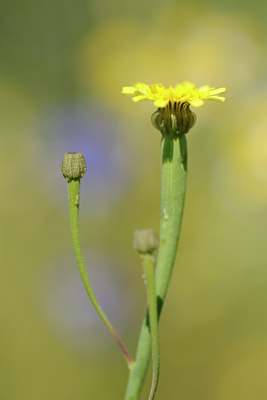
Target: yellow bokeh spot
245, 377
176, 43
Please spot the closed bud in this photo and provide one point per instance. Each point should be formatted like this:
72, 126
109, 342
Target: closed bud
145, 241
73, 166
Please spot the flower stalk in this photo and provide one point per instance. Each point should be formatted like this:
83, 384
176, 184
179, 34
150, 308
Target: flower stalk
73, 168
148, 263
173, 185
146, 242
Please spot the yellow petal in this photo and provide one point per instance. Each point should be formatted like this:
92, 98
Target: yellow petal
218, 98
161, 103
197, 102
217, 91
139, 98
128, 90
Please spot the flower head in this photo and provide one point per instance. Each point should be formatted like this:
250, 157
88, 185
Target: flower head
173, 116
185, 92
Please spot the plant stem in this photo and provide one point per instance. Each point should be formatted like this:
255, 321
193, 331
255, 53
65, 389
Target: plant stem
74, 201
173, 184
148, 263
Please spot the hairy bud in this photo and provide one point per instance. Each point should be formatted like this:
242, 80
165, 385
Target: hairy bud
145, 241
73, 166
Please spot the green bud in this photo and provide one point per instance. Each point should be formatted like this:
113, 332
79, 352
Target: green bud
174, 119
145, 241
73, 166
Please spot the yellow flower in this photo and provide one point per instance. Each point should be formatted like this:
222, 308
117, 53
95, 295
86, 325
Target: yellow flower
185, 92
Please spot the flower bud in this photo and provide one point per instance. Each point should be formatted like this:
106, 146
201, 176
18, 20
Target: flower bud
73, 166
145, 241
174, 119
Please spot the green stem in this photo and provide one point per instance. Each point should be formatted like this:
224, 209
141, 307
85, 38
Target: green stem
148, 262
173, 184
74, 201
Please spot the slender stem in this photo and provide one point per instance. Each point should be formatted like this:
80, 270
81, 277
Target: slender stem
148, 262
74, 201
173, 184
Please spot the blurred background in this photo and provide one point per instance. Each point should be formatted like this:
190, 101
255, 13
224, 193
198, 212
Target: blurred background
62, 67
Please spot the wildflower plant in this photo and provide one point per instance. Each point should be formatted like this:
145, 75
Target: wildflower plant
173, 118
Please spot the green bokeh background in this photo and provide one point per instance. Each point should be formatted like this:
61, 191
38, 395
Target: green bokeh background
213, 329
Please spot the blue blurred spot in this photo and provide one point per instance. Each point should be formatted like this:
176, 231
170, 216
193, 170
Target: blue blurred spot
63, 301
92, 131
